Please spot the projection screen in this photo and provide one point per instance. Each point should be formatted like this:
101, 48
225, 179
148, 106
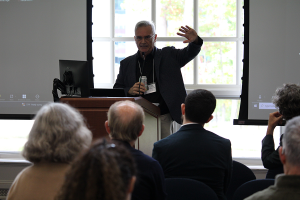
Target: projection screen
34, 36
274, 52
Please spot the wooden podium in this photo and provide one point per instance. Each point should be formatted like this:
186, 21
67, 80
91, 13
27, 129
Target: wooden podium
95, 109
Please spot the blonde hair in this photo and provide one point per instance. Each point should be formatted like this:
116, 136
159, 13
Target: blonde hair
57, 135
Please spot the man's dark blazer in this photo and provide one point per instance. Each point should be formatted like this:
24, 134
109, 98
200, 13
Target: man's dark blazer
167, 64
150, 182
270, 156
195, 153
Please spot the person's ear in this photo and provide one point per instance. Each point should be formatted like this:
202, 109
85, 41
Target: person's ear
107, 127
131, 184
210, 118
142, 130
282, 155
183, 109
155, 37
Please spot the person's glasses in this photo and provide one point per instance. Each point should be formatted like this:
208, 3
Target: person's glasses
148, 37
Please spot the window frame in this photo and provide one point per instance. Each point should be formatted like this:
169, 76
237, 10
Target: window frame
219, 90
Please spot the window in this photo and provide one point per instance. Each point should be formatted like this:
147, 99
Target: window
13, 135
217, 68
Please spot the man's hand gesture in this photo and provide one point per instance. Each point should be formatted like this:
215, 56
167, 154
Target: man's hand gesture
189, 33
137, 89
275, 118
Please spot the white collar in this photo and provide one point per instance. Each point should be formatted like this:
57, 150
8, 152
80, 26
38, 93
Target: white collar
189, 123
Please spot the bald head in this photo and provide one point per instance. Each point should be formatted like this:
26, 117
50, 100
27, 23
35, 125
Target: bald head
125, 120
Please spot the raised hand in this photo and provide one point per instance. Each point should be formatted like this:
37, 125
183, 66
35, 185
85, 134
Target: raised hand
189, 33
275, 118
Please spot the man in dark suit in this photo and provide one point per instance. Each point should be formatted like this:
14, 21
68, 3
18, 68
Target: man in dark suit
162, 69
125, 125
193, 152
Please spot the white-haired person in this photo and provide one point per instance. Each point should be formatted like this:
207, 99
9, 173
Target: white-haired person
57, 136
286, 185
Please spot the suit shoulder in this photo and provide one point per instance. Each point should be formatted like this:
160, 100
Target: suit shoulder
220, 138
167, 49
147, 162
141, 157
128, 59
166, 140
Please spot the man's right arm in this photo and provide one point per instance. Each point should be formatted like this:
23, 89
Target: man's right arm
120, 83
269, 155
130, 90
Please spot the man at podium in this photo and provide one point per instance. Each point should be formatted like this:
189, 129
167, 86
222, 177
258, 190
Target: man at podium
155, 73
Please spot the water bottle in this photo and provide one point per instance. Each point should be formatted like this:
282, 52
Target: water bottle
144, 80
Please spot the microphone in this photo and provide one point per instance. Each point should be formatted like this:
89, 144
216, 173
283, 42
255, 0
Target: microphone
143, 54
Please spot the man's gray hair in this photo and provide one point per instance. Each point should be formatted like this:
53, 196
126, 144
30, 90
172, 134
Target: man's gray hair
291, 141
57, 135
145, 23
125, 126
287, 99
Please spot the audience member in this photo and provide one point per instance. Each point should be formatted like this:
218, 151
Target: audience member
57, 136
193, 152
125, 124
105, 172
287, 184
287, 99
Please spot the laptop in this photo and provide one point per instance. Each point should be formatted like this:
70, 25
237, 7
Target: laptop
100, 92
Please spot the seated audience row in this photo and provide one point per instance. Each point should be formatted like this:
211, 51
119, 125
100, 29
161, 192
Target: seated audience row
125, 125
114, 170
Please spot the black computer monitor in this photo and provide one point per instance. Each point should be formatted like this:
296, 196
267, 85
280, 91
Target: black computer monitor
75, 76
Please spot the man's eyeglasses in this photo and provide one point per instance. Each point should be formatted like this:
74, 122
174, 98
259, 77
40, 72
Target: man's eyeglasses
140, 38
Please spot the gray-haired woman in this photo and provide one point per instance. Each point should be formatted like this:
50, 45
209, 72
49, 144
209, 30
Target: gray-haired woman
57, 136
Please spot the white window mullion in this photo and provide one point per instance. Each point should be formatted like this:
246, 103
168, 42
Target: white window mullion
237, 18
112, 43
153, 11
196, 28
239, 42
237, 77
237, 69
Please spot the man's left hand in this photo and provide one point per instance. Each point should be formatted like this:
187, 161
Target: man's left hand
189, 33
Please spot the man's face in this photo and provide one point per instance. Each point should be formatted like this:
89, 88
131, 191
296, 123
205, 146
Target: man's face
144, 39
